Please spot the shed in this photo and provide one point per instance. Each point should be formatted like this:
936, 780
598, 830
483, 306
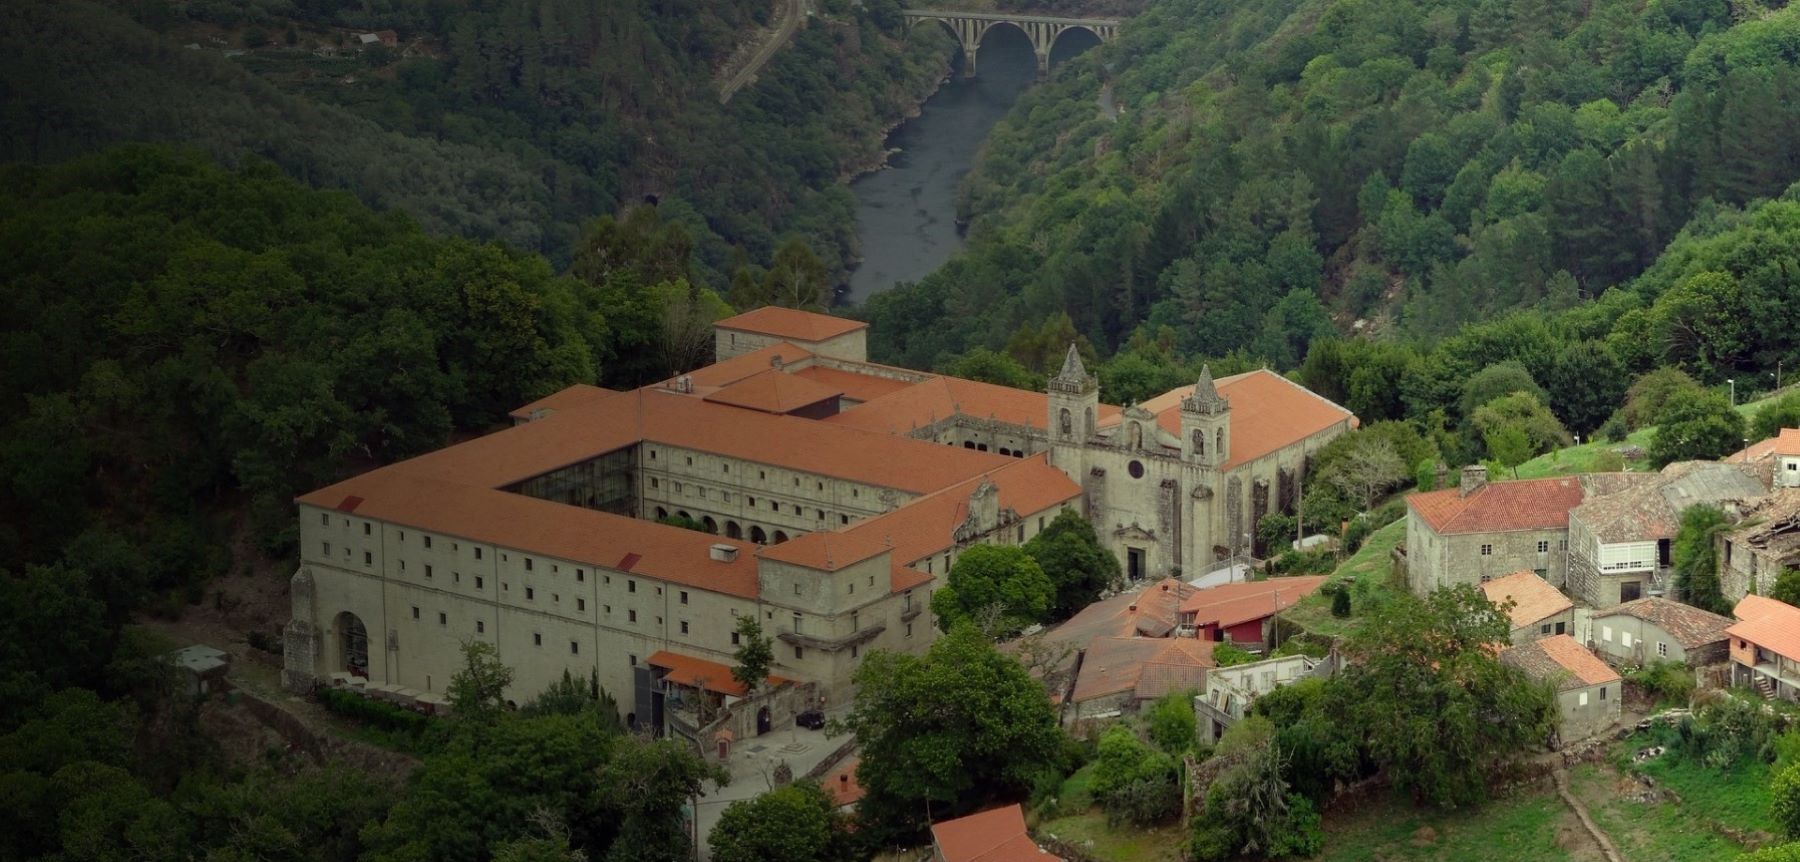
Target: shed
1657, 629
202, 669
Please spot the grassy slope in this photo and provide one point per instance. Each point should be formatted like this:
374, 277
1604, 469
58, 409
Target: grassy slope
1370, 571
1581, 459
1507, 830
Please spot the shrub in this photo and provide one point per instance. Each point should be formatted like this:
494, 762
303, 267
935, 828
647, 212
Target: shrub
1228, 655
409, 726
1784, 805
1340, 603
1134, 782
1667, 682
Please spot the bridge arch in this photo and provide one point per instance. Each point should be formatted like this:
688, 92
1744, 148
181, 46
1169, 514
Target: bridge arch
970, 28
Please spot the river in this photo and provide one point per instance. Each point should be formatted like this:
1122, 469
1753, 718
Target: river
906, 213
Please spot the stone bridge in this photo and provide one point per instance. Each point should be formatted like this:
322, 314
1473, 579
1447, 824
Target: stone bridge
970, 27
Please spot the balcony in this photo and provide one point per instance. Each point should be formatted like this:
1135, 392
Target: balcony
911, 611
831, 644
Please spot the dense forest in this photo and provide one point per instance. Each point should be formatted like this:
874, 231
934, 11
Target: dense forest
489, 119
1283, 171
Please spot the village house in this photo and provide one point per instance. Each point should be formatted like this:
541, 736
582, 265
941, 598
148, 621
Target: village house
830, 496
1479, 531
1656, 629
1762, 546
997, 835
1765, 647
1242, 614
1231, 691
1119, 675
1537, 609
1588, 692
1620, 537
1780, 454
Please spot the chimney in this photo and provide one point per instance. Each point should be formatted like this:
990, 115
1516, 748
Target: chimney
843, 778
1474, 477
1132, 609
722, 552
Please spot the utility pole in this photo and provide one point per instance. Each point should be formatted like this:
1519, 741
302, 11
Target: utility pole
1732, 382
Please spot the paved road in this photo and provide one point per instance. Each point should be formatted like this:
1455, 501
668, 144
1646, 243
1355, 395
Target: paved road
790, 21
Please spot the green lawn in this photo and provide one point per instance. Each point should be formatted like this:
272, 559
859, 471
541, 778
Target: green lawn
1126, 844
1666, 830
1370, 569
1581, 459
1520, 827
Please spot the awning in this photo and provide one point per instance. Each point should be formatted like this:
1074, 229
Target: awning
700, 673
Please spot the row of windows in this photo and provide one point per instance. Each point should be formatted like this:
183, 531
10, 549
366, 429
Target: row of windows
725, 497
762, 475
1543, 547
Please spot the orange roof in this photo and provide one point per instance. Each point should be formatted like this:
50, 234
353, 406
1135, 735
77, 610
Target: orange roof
1773, 625
1149, 612
574, 396
531, 525
841, 785
1268, 412
1148, 667
700, 673
1230, 604
739, 367
1533, 598
854, 385
791, 323
928, 525
1528, 504
941, 397
1755, 607
773, 391
901, 579
1559, 658
1788, 442
992, 836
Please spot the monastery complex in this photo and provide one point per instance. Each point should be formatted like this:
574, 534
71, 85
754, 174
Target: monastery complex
836, 493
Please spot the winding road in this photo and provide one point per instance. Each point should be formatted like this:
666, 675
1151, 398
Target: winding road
795, 12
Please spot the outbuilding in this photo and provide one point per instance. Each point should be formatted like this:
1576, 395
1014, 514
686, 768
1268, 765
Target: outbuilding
1587, 691
1657, 629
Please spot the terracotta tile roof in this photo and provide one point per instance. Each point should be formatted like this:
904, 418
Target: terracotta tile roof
927, 525
1149, 612
901, 579
992, 836
1113, 665
739, 367
1650, 507
531, 525
939, 398
1689, 626
1231, 604
791, 323
773, 391
574, 396
1533, 598
1788, 442
1527, 504
855, 386
1755, 607
1559, 659
1753, 452
1772, 625
700, 673
841, 785
1268, 412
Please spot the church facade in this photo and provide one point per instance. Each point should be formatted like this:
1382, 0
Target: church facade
625, 534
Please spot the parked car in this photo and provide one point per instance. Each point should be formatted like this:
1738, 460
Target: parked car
812, 719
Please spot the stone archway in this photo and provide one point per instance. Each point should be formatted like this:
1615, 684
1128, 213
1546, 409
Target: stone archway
733, 531
758, 536
353, 644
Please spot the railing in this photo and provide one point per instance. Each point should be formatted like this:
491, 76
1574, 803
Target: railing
860, 636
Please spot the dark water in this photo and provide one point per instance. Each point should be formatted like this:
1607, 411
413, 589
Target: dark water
906, 214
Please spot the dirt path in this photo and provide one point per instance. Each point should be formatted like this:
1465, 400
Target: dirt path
790, 21
1587, 821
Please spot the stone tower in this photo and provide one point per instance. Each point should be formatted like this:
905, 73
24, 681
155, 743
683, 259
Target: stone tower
1206, 424
1074, 406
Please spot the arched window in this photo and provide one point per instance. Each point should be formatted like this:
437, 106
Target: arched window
661, 513
1088, 429
712, 526
1219, 443
353, 642
1199, 443
758, 536
733, 531
1137, 436
1066, 424
780, 537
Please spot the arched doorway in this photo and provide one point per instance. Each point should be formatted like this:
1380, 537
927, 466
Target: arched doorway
661, 513
733, 531
763, 723
353, 644
780, 537
711, 525
758, 536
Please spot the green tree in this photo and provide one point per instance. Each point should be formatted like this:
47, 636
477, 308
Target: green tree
1133, 781
1501, 378
989, 367
1696, 563
1699, 427
1649, 394
797, 278
999, 582
949, 728
1438, 711
1783, 412
1524, 412
477, 692
1509, 445
1784, 805
1170, 720
754, 655
797, 822
1069, 552
1787, 587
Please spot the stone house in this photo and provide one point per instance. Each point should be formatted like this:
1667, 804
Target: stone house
1765, 647
1118, 675
1588, 694
1243, 613
1480, 531
1232, 691
770, 325
1780, 455
1538, 609
1656, 629
1766, 543
1620, 537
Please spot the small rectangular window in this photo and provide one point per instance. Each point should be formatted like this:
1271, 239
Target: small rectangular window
530, 594
478, 582
1544, 547
415, 612
1602, 692
843, 519
324, 519
402, 565
799, 653
574, 648
581, 604
1544, 629
537, 639
632, 616
527, 564
796, 589
684, 597
684, 629
1487, 550
630, 585
428, 571
443, 618
327, 549
477, 553
427, 541
368, 558
734, 638
1662, 649
580, 576
909, 629
367, 528
480, 626
1583, 699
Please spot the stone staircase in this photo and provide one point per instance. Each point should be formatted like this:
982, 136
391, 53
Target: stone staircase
1765, 687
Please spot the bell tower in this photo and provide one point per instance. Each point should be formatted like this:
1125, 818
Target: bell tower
1074, 402
1206, 424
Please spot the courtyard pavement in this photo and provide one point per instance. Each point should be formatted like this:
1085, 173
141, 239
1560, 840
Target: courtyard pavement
752, 768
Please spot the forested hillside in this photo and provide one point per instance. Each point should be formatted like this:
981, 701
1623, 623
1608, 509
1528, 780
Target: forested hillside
1280, 170
489, 118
